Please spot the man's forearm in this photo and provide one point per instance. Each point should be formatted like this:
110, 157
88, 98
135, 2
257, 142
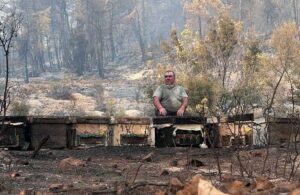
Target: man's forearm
157, 103
184, 103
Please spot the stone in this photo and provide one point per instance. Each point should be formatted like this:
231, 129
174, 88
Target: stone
148, 157
27, 192
22, 162
134, 113
15, 174
175, 185
196, 163
235, 187
56, 187
197, 185
174, 163
160, 192
227, 178
262, 184
295, 192
164, 172
284, 187
71, 161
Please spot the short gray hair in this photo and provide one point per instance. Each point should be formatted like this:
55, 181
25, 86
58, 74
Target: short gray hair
171, 72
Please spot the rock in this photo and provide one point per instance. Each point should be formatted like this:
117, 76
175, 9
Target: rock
262, 184
129, 157
175, 185
285, 187
134, 113
295, 192
69, 162
26, 192
148, 157
160, 192
182, 162
95, 113
67, 187
22, 162
227, 178
174, 163
6, 158
56, 187
14, 175
203, 145
164, 172
195, 163
174, 169
197, 185
2, 188
235, 187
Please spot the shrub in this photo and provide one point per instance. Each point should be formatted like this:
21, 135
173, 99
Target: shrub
20, 109
200, 88
98, 86
61, 92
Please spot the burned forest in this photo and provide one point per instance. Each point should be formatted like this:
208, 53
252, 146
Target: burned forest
162, 97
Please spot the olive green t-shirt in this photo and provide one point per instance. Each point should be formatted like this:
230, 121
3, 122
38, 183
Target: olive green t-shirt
170, 96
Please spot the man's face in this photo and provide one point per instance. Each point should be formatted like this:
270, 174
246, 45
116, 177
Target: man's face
169, 78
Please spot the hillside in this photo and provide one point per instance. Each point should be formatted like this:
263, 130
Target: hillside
64, 94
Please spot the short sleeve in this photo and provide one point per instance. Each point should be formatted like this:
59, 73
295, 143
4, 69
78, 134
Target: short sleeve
158, 92
183, 93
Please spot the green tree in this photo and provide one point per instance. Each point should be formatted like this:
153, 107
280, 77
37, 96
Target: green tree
222, 39
284, 61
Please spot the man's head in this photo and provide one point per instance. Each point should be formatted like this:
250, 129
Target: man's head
169, 77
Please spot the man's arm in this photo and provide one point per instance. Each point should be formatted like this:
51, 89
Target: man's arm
183, 106
162, 111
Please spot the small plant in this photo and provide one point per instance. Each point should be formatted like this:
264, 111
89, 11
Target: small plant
61, 92
111, 108
98, 86
20, 109
120, 113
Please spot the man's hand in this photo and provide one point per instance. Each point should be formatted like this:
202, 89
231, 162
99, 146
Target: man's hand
180, 112
162, 111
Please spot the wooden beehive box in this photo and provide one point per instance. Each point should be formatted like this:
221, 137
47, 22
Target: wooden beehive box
60, 129
93, 130
130, 131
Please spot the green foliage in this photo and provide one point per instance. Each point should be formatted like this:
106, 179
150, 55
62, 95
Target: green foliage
119, 113
251, 61
110, 108
20, 108
175, 41
223, 36
149, 89
200, 88
240, 100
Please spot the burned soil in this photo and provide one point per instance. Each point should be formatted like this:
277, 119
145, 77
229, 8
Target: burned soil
137, 170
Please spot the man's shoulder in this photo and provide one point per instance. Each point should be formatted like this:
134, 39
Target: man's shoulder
162, 86
179, 87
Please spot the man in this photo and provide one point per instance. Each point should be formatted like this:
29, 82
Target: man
170, 99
